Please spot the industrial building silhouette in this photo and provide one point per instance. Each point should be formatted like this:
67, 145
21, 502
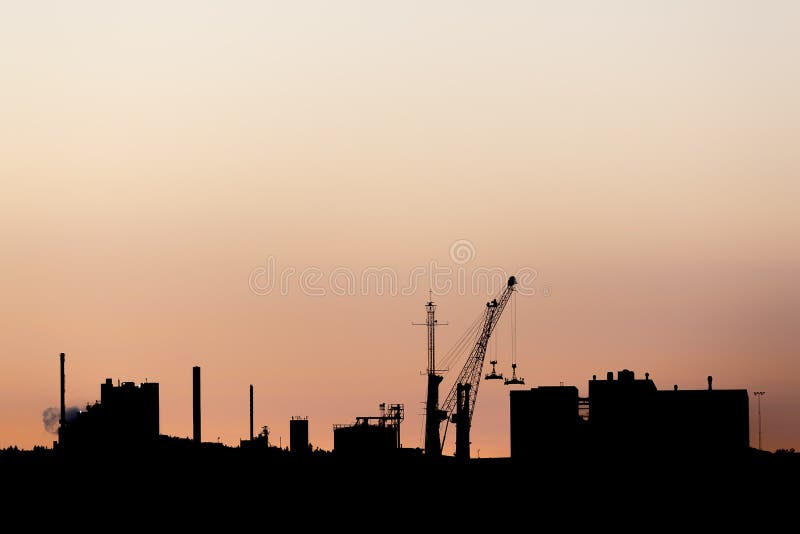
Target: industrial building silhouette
627, 416
626, 441
127, 415
370, 436
622, 416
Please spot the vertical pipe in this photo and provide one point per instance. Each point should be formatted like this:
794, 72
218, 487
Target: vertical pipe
63, 418
251, 412
196, 402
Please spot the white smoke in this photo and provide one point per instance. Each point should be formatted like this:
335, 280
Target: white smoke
52, 414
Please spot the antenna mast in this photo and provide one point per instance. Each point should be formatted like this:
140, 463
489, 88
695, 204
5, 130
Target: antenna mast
433, 415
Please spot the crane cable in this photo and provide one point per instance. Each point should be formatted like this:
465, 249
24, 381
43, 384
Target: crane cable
514, 332
458, 350
494, 341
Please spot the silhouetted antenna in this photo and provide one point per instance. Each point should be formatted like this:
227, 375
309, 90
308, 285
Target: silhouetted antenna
433, 416
431, 322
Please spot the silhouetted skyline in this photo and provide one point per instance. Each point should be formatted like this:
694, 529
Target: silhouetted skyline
640, 158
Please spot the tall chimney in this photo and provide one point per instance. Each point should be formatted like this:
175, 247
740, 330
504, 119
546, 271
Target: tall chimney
251, 412
63, 418
710, 379
196, 402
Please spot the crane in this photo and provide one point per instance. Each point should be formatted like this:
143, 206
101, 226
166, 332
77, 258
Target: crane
459, 405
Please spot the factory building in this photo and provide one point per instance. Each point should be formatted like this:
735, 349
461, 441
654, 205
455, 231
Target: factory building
545, 421
627, 415
126, 415
370, 436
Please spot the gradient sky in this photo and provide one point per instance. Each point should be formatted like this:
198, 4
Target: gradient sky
642, 156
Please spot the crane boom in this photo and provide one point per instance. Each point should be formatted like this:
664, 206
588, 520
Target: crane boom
459, 405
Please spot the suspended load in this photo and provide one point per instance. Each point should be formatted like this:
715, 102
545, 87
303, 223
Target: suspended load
493, 375
514, 380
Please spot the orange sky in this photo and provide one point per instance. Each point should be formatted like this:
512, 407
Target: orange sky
641, 156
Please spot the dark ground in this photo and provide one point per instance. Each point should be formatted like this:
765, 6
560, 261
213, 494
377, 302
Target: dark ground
180, 484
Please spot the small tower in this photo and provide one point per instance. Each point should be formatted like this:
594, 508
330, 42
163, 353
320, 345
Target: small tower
433, 416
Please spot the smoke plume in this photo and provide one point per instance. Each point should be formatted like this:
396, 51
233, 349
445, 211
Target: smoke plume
51, 415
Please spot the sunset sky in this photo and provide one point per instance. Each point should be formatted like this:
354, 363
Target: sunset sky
642, 157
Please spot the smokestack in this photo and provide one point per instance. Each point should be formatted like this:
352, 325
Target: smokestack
251, 412
63, 418
710, 378
196, 402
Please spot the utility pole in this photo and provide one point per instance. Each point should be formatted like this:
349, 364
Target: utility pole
758, 395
